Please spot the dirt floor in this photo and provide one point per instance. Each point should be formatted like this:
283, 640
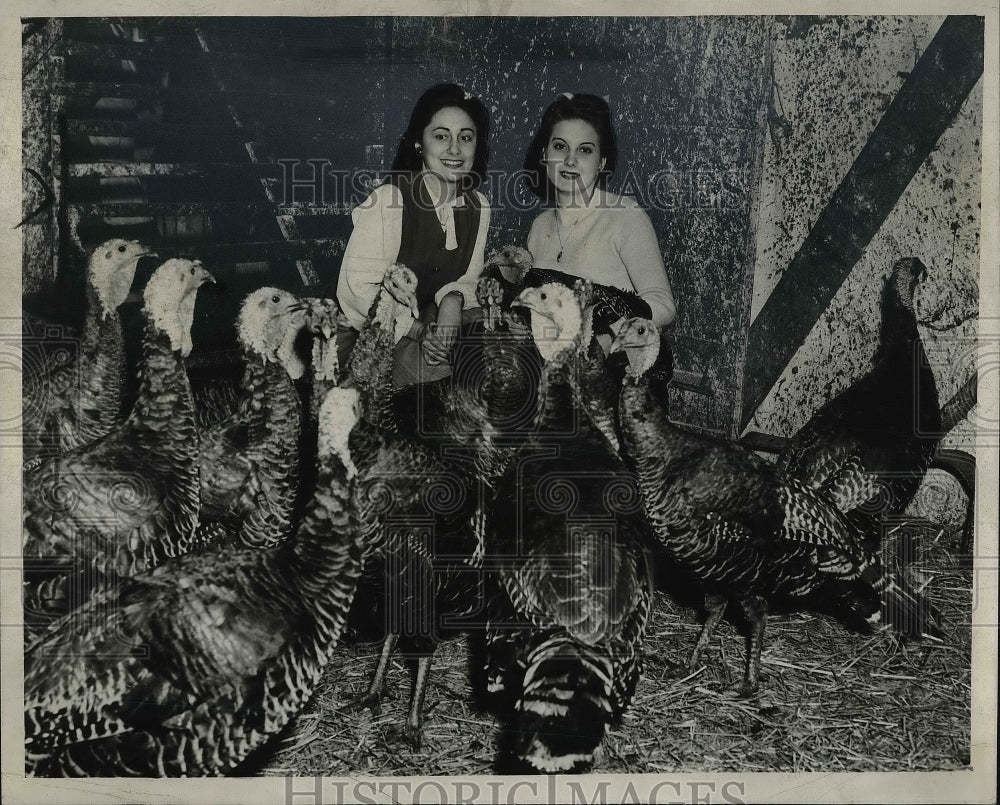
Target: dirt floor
832, 700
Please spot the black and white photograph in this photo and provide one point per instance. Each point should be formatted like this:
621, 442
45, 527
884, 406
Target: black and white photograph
466, 403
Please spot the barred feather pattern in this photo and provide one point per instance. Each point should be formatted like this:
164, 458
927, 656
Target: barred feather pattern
72, 403
418, 513
869, 447
129, 501
185, 669
215, 401
598, 389
418, 516
370, 365
565, 640
746, 529
250, 461
573, 590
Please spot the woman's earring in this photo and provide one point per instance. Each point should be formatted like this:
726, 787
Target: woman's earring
419, 149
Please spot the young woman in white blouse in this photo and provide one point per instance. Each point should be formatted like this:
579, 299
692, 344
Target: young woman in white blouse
591, 232
428, 216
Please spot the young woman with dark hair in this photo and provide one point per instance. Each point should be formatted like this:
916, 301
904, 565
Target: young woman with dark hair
591, 232
428, 216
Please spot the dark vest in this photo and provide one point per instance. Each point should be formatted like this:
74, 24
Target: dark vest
421, 247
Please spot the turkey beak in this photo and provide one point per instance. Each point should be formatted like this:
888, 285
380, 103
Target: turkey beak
298, 311
618, 344
202, 275
527, 299
623, 341
628, 337
321, 316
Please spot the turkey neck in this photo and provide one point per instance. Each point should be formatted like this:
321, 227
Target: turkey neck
102, 371
596, 391
556, 395
650, 439
900, 354
324, 555
104, 346
95, 320
899, 332
371, 372
272, 403
164, 410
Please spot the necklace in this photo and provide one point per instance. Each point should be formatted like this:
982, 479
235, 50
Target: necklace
562, 244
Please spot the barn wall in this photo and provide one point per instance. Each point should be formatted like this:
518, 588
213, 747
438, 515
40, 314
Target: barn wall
833, 81
38, 118
176, 130
687, 96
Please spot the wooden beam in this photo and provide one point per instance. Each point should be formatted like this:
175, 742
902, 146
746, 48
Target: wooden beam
921, 112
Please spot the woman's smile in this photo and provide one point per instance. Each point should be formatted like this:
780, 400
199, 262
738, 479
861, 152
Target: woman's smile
573, 159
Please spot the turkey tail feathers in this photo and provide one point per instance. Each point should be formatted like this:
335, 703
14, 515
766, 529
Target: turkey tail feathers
565, 705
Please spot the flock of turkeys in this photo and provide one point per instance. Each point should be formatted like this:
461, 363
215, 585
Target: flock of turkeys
191, 562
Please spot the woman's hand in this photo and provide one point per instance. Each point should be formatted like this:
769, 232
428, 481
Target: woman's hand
417, 331
441, 335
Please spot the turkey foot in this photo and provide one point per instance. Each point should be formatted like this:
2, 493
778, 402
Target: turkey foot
715, 608
411, 732
369, 700
408, 734
376, 691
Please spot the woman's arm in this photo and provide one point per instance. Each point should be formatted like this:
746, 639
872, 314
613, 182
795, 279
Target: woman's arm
455, 296
371, 249
465, 285
640, 252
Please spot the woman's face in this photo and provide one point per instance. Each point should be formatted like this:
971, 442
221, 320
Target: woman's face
449, 144
573, 157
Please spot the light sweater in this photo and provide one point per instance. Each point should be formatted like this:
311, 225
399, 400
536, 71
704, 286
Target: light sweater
612, 242
374, 246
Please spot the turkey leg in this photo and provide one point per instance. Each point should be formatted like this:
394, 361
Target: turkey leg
756, 612
372, 697
715, 607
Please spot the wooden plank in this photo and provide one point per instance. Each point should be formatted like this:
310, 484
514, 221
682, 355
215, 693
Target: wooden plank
112, 49
920, 113
764, 442
128, 209
121, 169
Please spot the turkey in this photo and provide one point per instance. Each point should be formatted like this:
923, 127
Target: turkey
249, 462
184, 669
419, 514
130, 499
869, 447
318, 340
508, 267
490, 400
75, 396
512, 270
565, 542
744, 528
215, 400
321, 321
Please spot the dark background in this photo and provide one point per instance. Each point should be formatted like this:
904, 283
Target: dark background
173, 131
